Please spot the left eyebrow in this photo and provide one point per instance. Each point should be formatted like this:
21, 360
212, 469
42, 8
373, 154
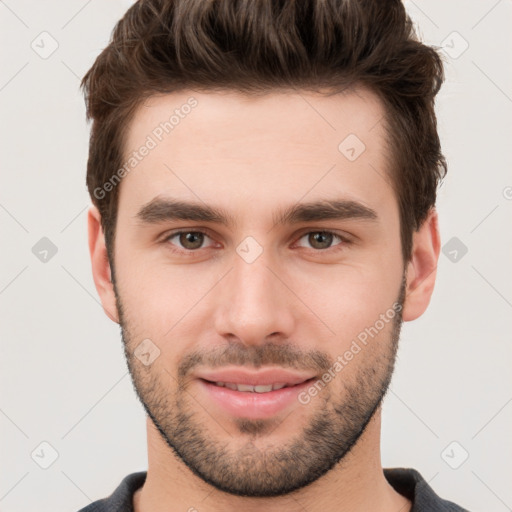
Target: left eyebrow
326, 210
167, 209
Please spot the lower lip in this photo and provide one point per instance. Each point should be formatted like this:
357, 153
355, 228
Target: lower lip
253, 405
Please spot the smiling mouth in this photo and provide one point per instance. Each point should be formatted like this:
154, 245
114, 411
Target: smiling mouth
248, 388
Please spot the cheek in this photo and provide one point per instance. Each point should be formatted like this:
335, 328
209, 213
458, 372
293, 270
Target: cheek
159, 300
349, 298
365, 350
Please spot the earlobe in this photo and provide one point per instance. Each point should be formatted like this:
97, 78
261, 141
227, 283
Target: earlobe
422, 268
100, 264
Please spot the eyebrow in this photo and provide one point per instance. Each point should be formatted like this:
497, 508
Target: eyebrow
162, 209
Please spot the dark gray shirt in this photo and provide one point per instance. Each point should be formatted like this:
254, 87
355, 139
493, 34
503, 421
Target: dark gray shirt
407, 482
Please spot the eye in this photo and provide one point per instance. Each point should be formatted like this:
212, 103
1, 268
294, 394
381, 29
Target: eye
322, 240
189, 240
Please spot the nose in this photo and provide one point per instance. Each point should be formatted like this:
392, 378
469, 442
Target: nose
254, 303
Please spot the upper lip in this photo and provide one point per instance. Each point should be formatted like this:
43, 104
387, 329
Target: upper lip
262, 377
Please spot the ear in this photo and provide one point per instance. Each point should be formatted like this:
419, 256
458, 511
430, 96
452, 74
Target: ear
422, 268
100, 264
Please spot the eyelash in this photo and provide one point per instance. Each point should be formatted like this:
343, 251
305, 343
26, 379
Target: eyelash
191, 252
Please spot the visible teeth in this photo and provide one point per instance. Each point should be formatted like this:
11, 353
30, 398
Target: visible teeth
250, 388
244, 387
263, 389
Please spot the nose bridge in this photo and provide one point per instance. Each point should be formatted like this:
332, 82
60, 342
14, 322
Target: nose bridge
253, 303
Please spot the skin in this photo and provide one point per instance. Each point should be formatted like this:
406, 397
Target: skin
255, 156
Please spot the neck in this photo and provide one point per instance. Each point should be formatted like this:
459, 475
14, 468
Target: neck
356, 484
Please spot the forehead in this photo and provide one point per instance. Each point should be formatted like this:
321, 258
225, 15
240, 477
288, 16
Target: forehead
305, 116
280, 145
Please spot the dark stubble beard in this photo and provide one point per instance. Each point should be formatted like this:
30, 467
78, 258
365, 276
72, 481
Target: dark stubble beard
327, 438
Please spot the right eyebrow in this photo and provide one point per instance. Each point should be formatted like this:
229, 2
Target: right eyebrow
166, 209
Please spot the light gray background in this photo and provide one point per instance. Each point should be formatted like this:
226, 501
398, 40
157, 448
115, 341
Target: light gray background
63, 374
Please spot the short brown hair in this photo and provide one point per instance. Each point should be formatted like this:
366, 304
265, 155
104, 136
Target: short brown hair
163, 46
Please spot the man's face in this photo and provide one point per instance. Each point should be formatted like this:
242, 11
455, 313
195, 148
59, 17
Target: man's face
255, 292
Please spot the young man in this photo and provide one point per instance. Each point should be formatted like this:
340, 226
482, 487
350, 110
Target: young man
264, 179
